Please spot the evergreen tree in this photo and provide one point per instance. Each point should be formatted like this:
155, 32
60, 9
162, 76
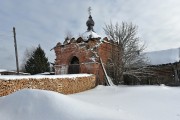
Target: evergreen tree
38, 62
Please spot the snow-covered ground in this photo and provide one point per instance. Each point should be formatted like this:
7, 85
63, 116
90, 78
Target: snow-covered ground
101, 103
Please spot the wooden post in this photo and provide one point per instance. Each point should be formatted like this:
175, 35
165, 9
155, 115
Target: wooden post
16, 52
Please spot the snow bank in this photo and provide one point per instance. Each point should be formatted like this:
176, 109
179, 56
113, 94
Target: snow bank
101, 103
46, 105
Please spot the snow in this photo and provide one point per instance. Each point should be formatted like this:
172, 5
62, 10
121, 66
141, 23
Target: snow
163, 56
139, 102
46, 105
101, 103
90, 34
93, 59
2, 70
15, 77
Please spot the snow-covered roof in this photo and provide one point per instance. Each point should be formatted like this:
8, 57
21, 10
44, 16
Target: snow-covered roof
15, 77
163, 56
90, 34
2, 70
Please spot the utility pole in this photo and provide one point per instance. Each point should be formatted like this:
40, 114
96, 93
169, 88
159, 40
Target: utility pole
16, 53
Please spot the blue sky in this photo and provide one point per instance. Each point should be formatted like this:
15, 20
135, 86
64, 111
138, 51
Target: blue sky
46, 22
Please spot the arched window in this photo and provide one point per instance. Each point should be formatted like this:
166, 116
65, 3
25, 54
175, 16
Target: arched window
74, 67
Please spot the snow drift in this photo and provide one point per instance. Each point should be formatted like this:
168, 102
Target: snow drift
46, 105
101, 103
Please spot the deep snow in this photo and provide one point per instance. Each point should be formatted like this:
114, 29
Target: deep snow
101, 103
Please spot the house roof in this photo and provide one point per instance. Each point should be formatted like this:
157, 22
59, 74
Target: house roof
2, 70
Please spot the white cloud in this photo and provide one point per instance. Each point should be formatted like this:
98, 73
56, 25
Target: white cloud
46, 22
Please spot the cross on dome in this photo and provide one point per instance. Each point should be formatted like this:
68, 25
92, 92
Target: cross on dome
90, 23
90, 31
89, 11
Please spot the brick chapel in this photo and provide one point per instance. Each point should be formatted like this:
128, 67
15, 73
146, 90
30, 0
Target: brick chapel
86, 54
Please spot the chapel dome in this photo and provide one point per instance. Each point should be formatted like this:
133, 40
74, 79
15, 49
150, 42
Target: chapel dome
90, 23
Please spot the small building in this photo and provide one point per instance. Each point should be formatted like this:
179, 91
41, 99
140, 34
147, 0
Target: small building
86, 54
6, 72
165, 65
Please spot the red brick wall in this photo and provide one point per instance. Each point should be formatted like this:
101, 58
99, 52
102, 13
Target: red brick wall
84, 51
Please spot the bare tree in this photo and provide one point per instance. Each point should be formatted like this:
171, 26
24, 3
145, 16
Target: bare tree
27, 54
68, 37
129, 47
